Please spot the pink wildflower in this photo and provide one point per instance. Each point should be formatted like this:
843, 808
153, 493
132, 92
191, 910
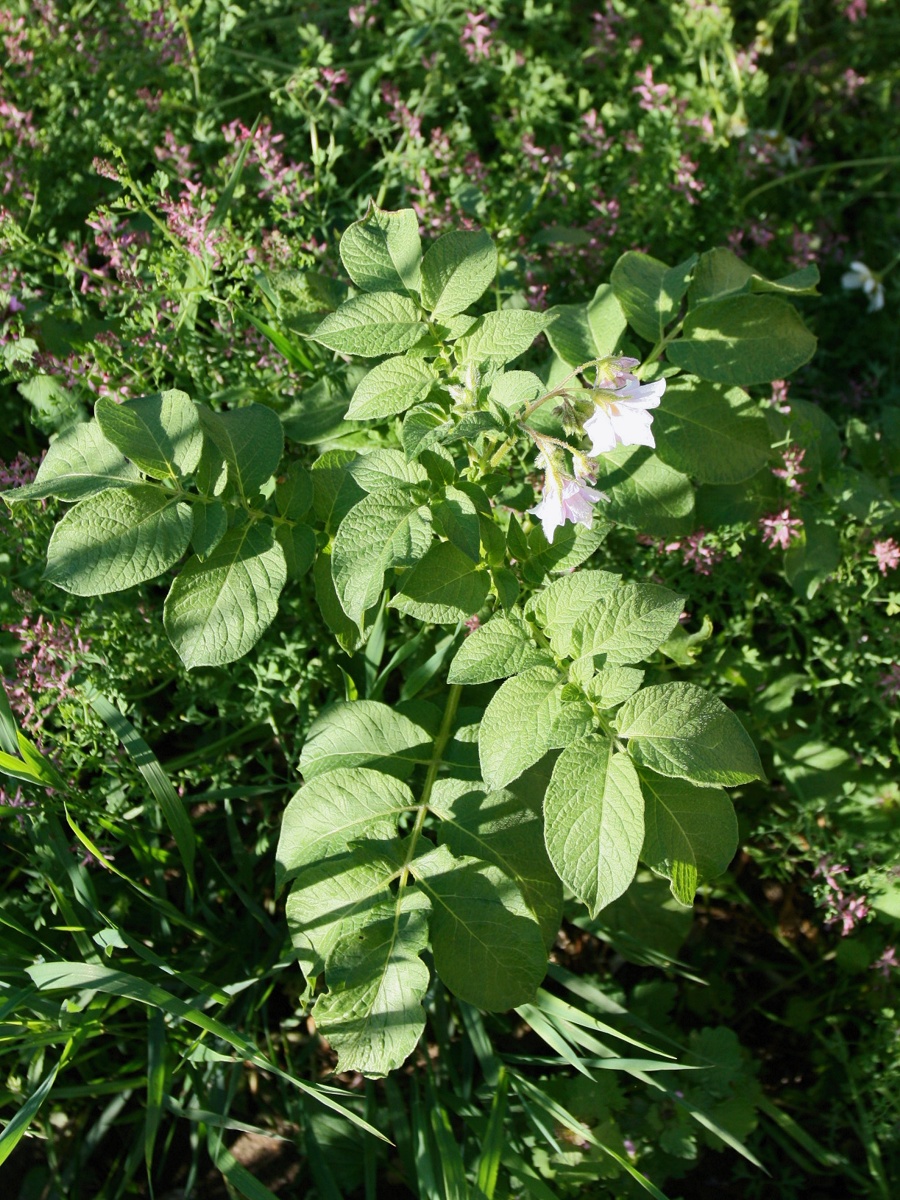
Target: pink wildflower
652, 95
887, 963
477, 36
780, 529
890, 682
778, 399
792, 458
44, 668
887, 555
853, 10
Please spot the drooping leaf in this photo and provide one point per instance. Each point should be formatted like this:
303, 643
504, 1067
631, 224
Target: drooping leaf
456, 518
680, 730
649, 291
488, 948
299, 545
594, 820
209, 523
80, 463
456, 270
690, 833
363, 733
159, 433
520, 724
218, 607
382, 252
385, 529
370, 326
294, 492
117, 539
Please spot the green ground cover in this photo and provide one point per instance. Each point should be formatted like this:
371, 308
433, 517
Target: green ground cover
449, 562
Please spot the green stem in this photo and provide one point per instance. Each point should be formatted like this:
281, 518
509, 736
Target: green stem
437, 757
804, 171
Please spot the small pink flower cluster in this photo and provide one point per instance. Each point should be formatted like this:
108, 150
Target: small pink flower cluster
790, 472
188, 218
361, 15
20, 471
890, 682
695, 551
605, 35
176, 153
44, 668
853, 10
399, 113
887, 555
652, 95
780, 529
779, 398
686, 182
160, 28
477, 36
845, 910
888, 962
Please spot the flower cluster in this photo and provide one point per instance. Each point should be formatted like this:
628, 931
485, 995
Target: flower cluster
780, 529
44, 669
845, 910
887, 555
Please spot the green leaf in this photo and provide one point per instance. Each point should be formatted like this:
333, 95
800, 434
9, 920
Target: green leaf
505, 828
15, 1128
644, 493
391, 387
611, 686
330, 896
80, 463
496, 650
333, 809
119, 538
335, 491
294, 493
716, 434
372, 1013
559, 605
316, 414
514, 388
811, 558
570, 335
594, 820
218, 608
690, 833
424, 426
680, 730
520, 724
743, 340
649, 291
299, 545
499, 337
364, 732
627, 624
456, 518
159, 433
606, 320
382, 252
721, 273
370, 326
488, 948
383, 470
348, 634
252, 442
208, 525
456, 270
385, 529
571, 545
443, 587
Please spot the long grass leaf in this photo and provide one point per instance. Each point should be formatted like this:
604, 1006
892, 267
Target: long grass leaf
326, 1187
546, 1030
488, 1167
170, 803
156, 1083
236, 1174
12, 1134
72, 976
9, 741
449, 1157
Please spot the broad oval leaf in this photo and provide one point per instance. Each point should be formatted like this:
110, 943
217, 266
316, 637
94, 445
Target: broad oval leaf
690, 833
680, 730
382, 252
499, 337
649, 291
370, 326
456, 270
80, 463
628, 623
519, 724
251, 440
218, 608
496, 650
644, 493
364, 732
488, 948
559, 605
385, 529
391, 387
443, 587
743, 340
333, 809
594, 820
117, 539
159, 433
713, 433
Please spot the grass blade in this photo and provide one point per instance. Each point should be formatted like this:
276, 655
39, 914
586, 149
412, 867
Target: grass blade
492, 1147
12, 1134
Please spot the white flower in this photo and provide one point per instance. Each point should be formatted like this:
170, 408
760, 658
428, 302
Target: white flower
859, 276
620, 418
565, 499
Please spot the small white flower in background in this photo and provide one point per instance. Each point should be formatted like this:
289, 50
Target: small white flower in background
859, 276
620, 416
564, 498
